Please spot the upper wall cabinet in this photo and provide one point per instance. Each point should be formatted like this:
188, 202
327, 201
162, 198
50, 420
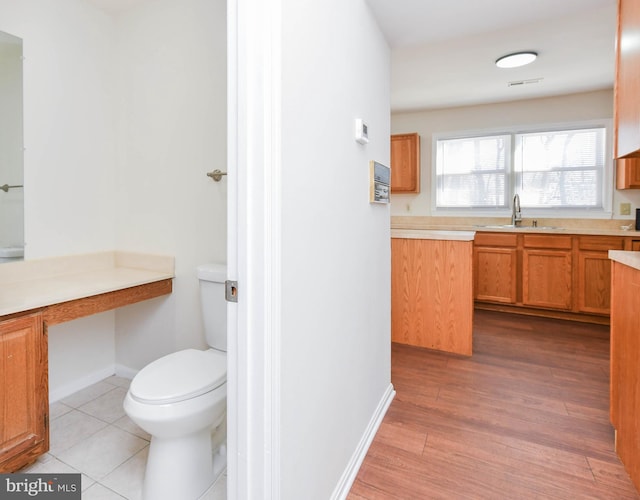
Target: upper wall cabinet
627, 81
405, 163
628, 173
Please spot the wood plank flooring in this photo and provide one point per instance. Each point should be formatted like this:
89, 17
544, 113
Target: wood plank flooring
527, 416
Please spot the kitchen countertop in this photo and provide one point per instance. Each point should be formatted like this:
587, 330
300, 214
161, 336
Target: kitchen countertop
631, 259
429, 234
38, 283
602, 227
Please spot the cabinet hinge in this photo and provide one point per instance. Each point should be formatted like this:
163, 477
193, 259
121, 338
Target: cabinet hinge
231, 291
46, 420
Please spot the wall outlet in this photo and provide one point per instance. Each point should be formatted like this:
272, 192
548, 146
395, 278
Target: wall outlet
625, 208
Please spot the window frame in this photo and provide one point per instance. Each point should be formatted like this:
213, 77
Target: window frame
604, 212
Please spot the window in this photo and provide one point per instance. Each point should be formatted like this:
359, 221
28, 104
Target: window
548, 169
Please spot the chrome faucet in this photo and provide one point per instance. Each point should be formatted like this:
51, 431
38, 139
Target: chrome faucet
516, 214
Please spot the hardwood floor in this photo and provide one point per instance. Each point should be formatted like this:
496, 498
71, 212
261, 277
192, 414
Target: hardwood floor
527, 416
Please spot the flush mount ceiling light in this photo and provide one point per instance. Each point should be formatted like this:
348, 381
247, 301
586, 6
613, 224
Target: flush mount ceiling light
516, 59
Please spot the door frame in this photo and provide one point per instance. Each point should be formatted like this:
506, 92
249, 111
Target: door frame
253, 248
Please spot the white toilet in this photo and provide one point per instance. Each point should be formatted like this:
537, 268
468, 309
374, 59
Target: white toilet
180, 399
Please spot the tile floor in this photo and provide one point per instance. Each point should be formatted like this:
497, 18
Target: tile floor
91, 434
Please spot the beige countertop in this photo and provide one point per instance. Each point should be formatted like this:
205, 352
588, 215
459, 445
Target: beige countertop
428, 234
37, 283
552, 226
631, 259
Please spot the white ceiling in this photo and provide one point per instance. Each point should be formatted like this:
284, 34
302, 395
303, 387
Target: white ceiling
443, 52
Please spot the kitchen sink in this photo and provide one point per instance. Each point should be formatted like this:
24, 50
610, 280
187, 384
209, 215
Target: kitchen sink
512, 226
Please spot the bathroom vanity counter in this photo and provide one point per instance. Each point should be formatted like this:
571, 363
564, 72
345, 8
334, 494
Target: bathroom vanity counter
35, 294
73, 286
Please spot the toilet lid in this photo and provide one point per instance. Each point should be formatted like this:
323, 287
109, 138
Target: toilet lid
179, 376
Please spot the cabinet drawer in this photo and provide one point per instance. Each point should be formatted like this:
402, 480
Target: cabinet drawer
601, 243
547, 241
495, 239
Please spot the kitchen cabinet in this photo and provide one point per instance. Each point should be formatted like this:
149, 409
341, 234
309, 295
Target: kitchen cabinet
547, 272
405, 163
24, 391
625, 371
556, 275
495, 263
432, 293
627, 81
594, 272
628, 173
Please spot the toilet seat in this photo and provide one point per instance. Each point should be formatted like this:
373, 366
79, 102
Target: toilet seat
179, 376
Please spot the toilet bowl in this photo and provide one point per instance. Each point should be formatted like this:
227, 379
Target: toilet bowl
180, 399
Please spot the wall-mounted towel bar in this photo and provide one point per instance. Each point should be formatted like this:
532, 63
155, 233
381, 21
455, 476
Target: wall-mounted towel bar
216, 175
6, 187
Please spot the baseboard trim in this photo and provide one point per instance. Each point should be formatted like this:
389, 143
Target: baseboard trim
79, 384
126, 372
349, 475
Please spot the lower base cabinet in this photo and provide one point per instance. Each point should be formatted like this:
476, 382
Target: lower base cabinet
432, 294
625, 372
555, 275
24, 391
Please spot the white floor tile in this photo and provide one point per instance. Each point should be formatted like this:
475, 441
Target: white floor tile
108, 406
218, 490
58, 409
90, 433
101, 453
126, 424
72, 428
85, 395
99, 492
55, 466
127, 478
118, 381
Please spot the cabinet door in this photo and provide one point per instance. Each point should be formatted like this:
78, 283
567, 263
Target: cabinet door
495, 274
546, 278
24, 391
628, 173
627, 88
594, 281
405, 163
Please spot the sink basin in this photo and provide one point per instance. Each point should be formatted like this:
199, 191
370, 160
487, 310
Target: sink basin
512, 226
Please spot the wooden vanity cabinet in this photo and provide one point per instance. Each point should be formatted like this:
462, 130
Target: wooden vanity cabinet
24, 391
626, 98
405, 163
495, 262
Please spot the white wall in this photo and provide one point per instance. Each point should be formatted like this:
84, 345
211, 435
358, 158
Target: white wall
171, 131
335, 339
123, 116
69, 174
573, 107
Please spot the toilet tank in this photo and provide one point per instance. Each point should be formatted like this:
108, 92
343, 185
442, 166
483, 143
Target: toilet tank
214, 306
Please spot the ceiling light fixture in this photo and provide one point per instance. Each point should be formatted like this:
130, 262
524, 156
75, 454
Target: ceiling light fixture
516, 59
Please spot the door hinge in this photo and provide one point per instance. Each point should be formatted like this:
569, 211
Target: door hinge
231, 291
46, 420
